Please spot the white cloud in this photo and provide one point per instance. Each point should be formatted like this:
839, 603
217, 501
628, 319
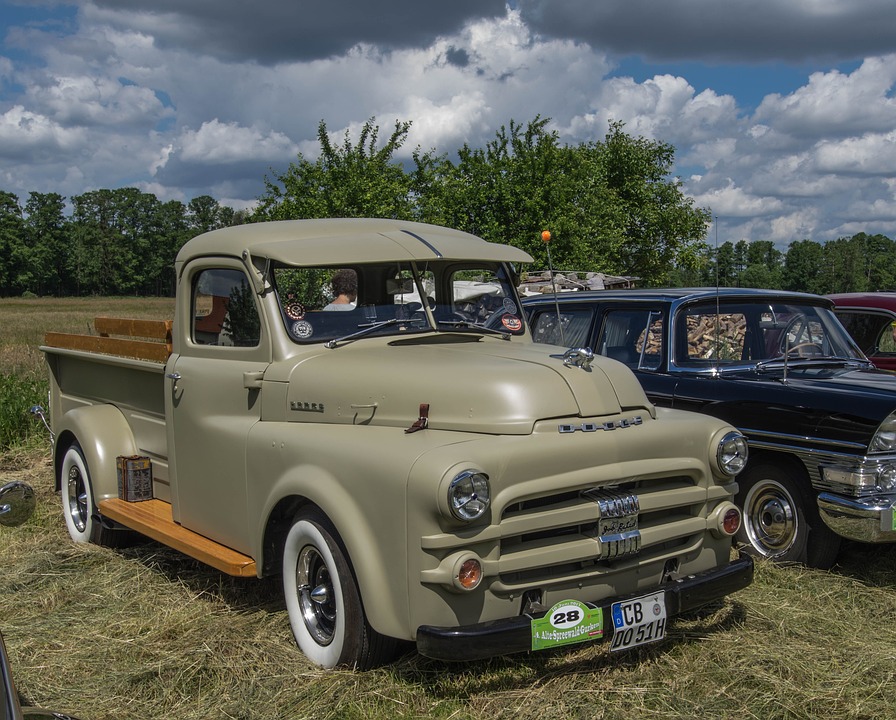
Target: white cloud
143, 98
28, 136
834, 102
870, 154
731, 201
217, 143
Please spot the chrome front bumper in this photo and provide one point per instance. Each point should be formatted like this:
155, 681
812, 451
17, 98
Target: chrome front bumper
871, 519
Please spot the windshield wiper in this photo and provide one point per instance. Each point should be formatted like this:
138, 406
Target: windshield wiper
366, 329
812, 360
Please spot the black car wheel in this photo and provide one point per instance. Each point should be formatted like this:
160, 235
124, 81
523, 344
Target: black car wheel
781, 520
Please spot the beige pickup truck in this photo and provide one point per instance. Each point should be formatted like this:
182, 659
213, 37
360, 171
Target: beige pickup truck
358, 406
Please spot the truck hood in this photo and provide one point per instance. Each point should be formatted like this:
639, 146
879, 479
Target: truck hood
470, 383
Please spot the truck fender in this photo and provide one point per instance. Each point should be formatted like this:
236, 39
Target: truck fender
103, 434
381, 580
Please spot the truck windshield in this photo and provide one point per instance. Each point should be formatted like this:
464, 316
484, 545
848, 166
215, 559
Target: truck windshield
322, 304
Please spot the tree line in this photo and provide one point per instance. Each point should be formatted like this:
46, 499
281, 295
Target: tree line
860, 263
612, 206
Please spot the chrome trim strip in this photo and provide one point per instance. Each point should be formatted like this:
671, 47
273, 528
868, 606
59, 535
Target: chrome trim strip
813, 460
750, 433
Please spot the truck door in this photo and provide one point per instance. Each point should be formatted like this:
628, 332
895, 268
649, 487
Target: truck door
214, 399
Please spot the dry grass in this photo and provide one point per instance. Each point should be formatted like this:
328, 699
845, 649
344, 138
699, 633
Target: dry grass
148, 633
145, 632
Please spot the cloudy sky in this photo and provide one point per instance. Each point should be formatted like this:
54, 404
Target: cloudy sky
782, 112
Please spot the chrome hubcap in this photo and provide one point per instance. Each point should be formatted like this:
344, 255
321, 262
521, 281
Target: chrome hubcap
77, 498
316, 599
772, 523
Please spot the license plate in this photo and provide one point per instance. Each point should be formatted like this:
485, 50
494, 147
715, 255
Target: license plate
638, 621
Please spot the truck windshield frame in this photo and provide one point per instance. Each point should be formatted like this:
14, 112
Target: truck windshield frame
328, 303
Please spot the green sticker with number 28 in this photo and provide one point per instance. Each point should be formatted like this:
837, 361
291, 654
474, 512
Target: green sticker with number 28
569, 621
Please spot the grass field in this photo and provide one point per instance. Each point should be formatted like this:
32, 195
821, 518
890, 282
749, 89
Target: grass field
145, 632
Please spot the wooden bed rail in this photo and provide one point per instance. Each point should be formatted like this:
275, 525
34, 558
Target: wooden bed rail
117, 336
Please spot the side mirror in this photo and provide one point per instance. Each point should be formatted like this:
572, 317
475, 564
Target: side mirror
17, 503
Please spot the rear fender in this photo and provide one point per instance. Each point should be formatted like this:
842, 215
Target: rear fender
103, 434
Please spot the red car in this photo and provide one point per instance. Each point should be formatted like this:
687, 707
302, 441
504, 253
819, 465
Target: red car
871, 320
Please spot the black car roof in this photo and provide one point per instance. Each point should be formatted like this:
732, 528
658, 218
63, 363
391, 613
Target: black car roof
679, 294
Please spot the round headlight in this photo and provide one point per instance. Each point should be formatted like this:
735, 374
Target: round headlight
884, 439
469, 495
732, 453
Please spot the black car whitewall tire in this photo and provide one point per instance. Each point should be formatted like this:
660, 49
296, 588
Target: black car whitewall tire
780, 517
78, 504
322, 599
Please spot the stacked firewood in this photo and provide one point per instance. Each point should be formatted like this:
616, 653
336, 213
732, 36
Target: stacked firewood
708, 340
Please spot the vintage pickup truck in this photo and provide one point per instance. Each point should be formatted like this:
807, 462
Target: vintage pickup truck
819, 419
413, 465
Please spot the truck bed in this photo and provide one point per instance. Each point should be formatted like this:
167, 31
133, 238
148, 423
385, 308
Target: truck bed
156, 347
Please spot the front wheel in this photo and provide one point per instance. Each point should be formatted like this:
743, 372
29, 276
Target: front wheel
781, 520
323, 601
78, 504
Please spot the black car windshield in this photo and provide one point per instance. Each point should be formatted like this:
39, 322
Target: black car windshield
323, 304
735, 333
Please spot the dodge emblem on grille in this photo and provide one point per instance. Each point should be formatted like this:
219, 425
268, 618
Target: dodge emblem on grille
617, 522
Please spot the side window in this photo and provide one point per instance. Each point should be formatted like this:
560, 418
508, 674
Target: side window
224, 310
872, 332
886, 343
570, 330
633, 337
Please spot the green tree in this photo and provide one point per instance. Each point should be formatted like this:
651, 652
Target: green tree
762, 266
204, 214
880, 261
725, 269
661, 226
47, 242
519, 184
803, 263
843, 266
11, 244
349, 180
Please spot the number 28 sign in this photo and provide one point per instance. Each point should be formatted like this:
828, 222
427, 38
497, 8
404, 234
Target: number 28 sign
567, 622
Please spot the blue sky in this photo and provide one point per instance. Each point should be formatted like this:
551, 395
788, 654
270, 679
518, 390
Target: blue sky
782, 112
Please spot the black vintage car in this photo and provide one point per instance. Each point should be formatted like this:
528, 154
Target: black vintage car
818, 417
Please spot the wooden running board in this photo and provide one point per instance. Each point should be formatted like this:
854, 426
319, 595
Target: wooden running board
153, 519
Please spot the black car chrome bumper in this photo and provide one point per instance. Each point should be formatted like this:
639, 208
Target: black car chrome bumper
871, 520
511, 635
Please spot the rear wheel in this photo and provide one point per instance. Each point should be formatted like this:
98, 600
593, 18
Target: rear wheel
323, 601
780, 517
78, 504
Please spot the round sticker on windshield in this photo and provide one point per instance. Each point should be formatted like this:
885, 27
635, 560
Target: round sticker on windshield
302, 329
511, 322
509, 305
295, 311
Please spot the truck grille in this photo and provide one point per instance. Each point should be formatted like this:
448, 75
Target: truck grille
597, 530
